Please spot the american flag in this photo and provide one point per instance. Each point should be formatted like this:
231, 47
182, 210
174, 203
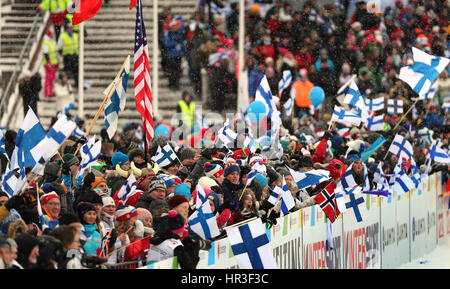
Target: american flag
142, 82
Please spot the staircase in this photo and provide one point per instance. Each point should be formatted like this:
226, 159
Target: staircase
109, 41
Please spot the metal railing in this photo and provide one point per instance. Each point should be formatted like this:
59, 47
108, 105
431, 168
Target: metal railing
12, 83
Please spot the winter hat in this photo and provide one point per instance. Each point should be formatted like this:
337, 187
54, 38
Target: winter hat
91, 197
156, 183
136, 152
47, 197
124, 213
207, 182
70, 160
177, 200
108, 201
85, 207
25, 244
176, 222
98, 165
231, 167
170, 180
336, 141
186, 153
119, 159
262, 180
213, 170
52, 169
216, 200
157, 205
98, 180
183, 190
255, 159
144, 213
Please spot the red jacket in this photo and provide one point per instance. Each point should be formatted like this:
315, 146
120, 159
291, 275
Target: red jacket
319, 152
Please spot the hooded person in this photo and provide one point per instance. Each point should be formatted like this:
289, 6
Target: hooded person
170, 241
231, 184
108, 214
122, 169
27, 250
216, 203
70, 166
52, 175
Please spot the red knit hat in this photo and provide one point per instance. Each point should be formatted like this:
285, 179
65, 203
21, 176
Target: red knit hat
124, 213
177, 200
47, 197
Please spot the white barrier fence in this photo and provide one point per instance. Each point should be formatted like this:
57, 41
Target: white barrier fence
394, 231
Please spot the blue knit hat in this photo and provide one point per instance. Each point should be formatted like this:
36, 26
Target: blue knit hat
336, 141
183, 189
119, 158
231, 167
261, 179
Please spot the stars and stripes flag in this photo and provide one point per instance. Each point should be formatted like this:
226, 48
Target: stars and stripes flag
421, 75
142, 82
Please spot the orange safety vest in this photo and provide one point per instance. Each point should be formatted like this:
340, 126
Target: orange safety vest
302, 90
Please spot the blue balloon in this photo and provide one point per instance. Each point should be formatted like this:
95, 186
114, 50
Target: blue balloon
256, 111
162, 129
316, 95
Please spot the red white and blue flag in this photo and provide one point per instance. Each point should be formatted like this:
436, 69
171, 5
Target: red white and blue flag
142, 82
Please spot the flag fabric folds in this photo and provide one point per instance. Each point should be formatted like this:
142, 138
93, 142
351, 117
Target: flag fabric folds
142, 82
355, 100
438, 155
326, 199
344, 117
285, 81
375, 123
424, 72
403, 183
375, 104
117, 100
90, 152
311, 178
284, 195
203, 222
128, 188
201, 196
85, 9
226, 134
164, 156
401, 147
251, 247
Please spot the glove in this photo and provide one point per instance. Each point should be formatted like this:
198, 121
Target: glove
14, 202
139, 229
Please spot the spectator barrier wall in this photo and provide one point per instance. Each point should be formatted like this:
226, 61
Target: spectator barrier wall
394, 231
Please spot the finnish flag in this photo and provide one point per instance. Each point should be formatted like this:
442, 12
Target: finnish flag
9, 181
401, 147
90, 152
164, 156
347, 180
424, 72
117, 100
284, 195
340, 115
30, 134
251, 246
354, 99
311, 178
203, 222
395, 106
250, 143
375, 123
215, 57
438, 155
226, 134
353, 201
128, 188
340, 196
53, 140
284, 82
289, 104
78, 132
2, 144
264, 95
403, 183
375, 104
380, 178
251, 175
201, 196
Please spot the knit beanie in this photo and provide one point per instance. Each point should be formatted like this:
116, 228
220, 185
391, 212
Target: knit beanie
156, 183
108, 201
216, 200
213, 170
157, 205
177, 200
176, 222
186, 153
336, 141
47, 197
119, 158
231, 167
83, 208
98, 180
183, 190
52, 169
207, 182
70, 159
124, 213
144, 213
262, 180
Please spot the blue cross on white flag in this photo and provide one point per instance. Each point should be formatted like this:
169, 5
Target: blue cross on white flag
250, 143
403, 183
90, 152
117, 100
401, 147
353, 201
340, 196
203, 222
355, 100
375, 104
164, 156
284, 82
201, 196
28, 137
226, 134
289, 104
424, 72
9, 181
287, 201
264, 95
128, 189
78, 132
438, 155
340, 115
395, 106
375, 123
310, 178
251, 175
251, 246
347, 180
215, 57
2, 143
380, 178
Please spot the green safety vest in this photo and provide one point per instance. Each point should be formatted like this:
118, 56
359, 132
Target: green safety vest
53, 5
187, 111
51, 53
69, 17
70, 44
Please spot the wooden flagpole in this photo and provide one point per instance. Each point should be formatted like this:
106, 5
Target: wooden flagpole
113, 87
400, 121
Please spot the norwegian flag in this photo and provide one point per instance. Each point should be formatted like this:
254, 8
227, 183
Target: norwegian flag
326, 199
103, 249
142, 82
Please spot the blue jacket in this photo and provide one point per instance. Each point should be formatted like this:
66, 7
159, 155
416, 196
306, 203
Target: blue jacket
319, 61
254, 79
175, 45
93, 239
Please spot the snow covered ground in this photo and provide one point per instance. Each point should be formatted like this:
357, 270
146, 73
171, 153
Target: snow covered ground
438, 259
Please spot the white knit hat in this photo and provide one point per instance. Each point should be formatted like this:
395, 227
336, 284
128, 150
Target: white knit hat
108, 201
